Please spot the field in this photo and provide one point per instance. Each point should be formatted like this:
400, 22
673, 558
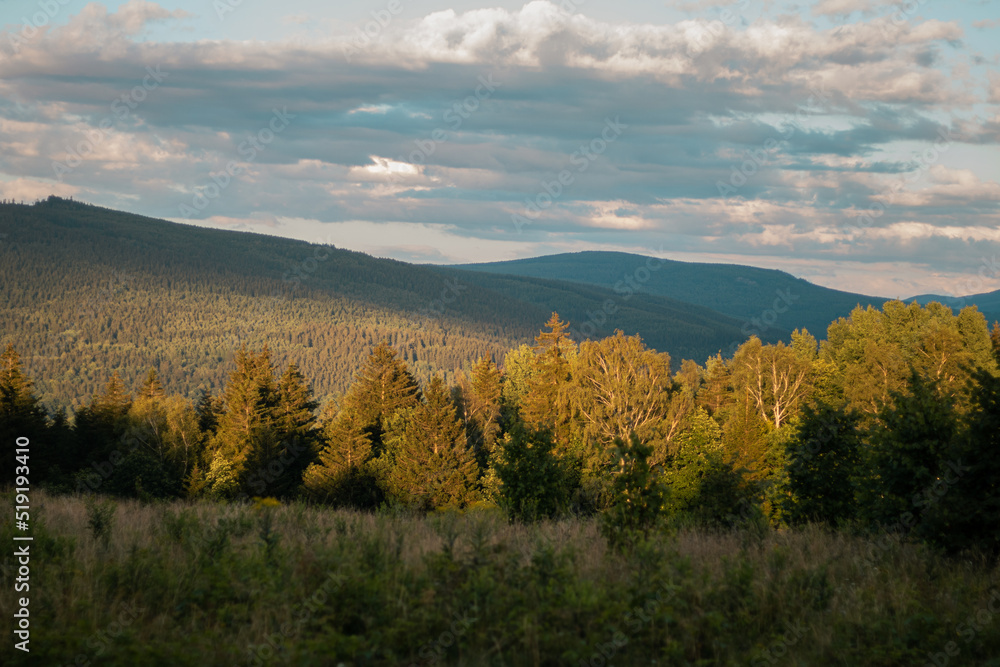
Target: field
182, 583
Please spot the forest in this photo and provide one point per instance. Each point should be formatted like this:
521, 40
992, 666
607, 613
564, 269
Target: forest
87, 288
890, 421
575, 503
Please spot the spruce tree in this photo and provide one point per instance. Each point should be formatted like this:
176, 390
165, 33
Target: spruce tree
434, 467
101, 424
481, 398
246, 434
351, 467
342, 474
295, 421
151, 388
547, 404
382, 387
21, 415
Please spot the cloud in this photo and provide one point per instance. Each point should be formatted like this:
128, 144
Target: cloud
762, 139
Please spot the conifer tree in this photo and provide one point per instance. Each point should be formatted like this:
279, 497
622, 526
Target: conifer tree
532, 482
341, 475
101, 424
547, 404
294, 420
21, 415
352, 464
481, 398
434, 467
246, 432
209, 409
151, 388
383, 386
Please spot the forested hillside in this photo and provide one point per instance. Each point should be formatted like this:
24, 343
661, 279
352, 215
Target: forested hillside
88, 290
744, 292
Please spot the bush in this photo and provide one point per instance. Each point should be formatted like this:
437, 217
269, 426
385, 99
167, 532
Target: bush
534, 482
638, 496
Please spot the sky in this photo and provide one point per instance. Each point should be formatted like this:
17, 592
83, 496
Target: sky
853, 143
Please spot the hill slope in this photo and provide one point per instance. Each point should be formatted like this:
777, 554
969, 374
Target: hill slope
987, 302
88, 290
743, 292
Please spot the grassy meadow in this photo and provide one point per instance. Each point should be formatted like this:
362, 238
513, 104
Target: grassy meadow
197, 583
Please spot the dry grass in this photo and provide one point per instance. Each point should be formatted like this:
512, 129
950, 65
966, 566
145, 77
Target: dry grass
209, 590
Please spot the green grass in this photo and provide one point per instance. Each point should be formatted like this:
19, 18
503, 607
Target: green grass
205, 584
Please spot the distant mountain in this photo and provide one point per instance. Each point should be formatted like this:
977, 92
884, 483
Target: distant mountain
988, 303
88, 290
765, 301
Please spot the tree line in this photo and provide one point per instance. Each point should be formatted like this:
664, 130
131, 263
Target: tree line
892, 422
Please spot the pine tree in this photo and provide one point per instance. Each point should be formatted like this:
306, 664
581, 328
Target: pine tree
481, 400
434, 467
151, 388
547, 404
342, 474
383, 387
295, 421
101, 424
21, 415
246, 434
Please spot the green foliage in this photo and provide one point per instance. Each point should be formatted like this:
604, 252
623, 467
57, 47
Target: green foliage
703, 485
962, 507
638, 496
907, 457
823, 465
535, 482
100, 518
433, 466
343, 474
469, 589
22, 416
142, 475
480, 407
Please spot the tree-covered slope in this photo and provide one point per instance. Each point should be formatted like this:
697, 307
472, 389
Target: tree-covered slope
88, 290
743, 292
